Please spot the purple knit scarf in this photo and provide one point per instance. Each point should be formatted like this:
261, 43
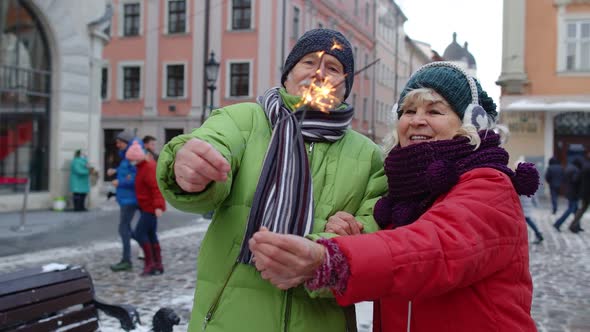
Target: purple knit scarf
420, 173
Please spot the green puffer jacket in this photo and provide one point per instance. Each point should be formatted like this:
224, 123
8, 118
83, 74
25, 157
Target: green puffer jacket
347, 176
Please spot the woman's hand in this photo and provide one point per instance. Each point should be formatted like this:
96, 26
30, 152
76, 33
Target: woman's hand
343, 223
285, 260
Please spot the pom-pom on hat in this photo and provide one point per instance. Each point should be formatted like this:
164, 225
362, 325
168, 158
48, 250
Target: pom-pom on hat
323, 40
125, 136
135, 152
463, 92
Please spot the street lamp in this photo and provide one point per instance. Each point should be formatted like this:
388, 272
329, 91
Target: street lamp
211, 71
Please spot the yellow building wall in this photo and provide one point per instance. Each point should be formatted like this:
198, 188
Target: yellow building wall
541, 44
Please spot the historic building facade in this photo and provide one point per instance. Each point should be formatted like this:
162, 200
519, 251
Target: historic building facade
545, 79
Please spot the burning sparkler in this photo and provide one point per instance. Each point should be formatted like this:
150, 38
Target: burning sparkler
319, 94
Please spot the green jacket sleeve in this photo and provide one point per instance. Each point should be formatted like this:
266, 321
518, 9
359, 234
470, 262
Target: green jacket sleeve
376, 187
222, 132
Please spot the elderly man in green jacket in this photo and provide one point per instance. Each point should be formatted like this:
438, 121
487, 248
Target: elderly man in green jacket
283, 164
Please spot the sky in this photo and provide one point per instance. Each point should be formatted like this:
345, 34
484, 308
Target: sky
477, 22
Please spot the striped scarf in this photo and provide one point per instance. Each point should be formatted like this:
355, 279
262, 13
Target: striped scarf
283, 201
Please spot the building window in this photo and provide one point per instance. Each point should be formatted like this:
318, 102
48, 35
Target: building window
104, 83
131, 82
241, 14
296, 18
239, 79
177, 16
131, 19
367, 12
356, 7
174, 81
170, 133
577, 46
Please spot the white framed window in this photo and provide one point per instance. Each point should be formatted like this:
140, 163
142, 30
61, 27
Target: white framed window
129, 80
175, 80
105, 81
239, 79
130, 18
241, 15
577, 45
176, 17
296, 22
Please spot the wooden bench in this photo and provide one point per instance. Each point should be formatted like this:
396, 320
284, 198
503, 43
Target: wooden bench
55, 297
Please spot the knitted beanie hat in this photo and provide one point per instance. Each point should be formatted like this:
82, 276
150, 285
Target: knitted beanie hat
463, 92
125, 136
322, 40
135, 152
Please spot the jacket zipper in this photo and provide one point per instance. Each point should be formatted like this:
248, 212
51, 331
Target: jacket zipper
288, 309
213, 307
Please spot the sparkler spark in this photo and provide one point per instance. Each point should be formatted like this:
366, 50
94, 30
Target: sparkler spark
336, 46
319, 94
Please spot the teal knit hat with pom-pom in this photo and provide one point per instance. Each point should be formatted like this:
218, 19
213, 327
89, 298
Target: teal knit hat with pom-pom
453, 84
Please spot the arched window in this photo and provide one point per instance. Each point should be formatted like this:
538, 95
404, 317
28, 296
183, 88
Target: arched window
25, 77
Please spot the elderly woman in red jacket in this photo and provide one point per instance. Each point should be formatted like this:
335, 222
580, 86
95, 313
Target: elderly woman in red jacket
453, 252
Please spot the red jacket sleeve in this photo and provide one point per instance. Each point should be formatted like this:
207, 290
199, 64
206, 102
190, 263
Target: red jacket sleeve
468, 234
158, 201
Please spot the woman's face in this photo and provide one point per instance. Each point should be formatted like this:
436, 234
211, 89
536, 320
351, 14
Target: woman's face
319, 67
427, 122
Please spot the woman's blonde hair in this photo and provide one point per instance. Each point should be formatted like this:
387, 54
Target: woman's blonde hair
425, 96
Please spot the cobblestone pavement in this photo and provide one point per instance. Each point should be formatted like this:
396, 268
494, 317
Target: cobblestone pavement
560, 268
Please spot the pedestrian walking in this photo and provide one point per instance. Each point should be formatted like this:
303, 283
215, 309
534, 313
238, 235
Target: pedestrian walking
572, 182
125, 194
453, 255
149, 144
79, 180
151, 206
284, 163
575, 226
553, 177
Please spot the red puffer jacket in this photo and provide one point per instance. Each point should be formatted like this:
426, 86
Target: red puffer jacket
148, 194
462, 266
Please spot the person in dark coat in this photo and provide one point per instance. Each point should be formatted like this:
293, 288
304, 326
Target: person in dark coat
554, 176
572, 181
584, 195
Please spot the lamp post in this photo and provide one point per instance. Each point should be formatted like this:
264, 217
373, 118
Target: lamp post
211, 72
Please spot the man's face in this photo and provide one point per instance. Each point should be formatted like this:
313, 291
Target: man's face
311, 66
151, 145
121, 145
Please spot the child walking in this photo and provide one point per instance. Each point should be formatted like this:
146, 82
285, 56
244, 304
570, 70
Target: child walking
151, 205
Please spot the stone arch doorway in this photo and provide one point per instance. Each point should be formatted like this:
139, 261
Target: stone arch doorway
25, 97
572, 135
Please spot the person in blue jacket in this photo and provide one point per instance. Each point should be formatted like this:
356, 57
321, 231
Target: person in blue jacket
79, 180
125, 184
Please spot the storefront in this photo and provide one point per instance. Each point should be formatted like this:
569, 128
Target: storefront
49, 94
